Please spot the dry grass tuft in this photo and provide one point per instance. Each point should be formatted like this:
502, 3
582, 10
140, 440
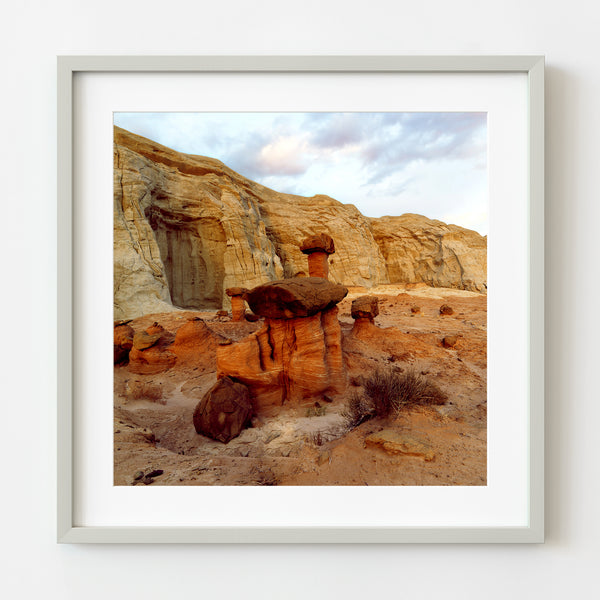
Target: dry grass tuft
387, 392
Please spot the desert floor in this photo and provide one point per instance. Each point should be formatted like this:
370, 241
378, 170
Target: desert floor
443, 445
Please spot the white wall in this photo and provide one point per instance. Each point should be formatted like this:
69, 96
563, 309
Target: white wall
33, 32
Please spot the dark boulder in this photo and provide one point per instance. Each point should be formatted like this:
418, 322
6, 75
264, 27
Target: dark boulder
224, 411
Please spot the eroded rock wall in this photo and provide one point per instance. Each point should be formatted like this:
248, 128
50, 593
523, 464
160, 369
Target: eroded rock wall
188, 227
418, 249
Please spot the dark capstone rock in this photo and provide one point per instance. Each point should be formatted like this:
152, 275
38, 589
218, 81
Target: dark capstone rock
236, 291
365, 307
318, 243
298, 297
224, 411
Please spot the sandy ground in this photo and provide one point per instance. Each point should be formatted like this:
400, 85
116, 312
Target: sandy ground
153, 413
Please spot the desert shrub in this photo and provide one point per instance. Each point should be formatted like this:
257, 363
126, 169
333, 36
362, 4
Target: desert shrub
388, 391
391, 391
358, 409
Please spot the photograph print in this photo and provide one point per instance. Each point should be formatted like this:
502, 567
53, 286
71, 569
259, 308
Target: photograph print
300, 299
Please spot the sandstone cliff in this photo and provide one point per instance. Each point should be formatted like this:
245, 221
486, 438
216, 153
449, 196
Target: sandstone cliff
418, 249
188, 227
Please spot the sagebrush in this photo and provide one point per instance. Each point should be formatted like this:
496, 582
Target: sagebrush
387, 392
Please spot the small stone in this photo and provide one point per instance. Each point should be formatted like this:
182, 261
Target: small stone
446, 310
415, 310
222, 313
147, 480
450, 341
138, 475
155, 473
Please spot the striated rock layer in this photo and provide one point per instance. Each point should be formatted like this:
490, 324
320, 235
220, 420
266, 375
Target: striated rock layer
417, 249
187, 227
288, 360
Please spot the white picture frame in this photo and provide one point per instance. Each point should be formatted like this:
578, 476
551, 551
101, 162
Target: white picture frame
69, 531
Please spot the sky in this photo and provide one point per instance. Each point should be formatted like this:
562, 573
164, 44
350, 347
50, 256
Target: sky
433, 164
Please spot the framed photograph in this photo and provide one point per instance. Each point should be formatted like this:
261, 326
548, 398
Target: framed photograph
323, 279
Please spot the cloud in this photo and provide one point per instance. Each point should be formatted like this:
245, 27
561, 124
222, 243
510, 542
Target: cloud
384, 163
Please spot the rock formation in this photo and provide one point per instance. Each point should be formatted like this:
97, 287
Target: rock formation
297, 354
238, 306
318, 248
187, 227
157, 350
364, 310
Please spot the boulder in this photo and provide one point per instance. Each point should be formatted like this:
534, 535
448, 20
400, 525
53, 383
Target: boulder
224, 411
298, 297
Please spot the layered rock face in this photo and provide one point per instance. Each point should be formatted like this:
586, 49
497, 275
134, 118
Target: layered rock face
297, 354
187, 227
418, 249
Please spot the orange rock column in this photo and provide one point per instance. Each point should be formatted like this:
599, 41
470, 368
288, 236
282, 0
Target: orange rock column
238, 305
318, 265
318, 248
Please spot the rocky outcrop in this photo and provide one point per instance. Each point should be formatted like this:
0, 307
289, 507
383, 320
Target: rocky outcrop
418, 249
187, 227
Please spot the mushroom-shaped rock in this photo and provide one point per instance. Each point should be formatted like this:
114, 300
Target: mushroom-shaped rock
298, 297
318, 248
224, 411
365, 307
238, 308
